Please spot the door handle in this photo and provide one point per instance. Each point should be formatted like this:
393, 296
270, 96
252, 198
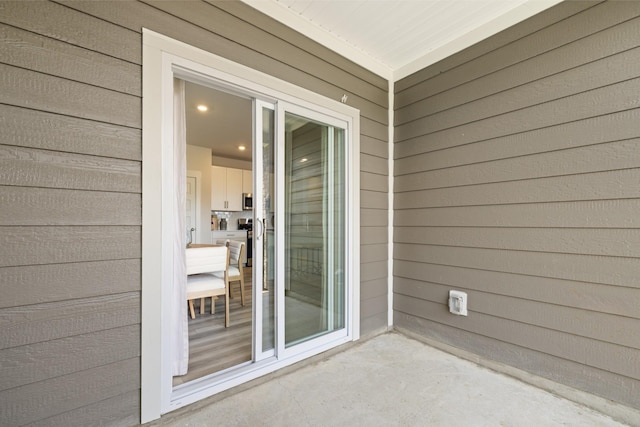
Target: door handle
259, 235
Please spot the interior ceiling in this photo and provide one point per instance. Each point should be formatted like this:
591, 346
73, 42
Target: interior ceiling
226, 124
392, 38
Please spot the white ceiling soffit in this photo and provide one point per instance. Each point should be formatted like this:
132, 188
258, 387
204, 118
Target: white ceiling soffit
395, 38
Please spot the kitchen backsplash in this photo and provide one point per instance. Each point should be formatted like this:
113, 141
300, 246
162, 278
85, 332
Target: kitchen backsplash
232, 217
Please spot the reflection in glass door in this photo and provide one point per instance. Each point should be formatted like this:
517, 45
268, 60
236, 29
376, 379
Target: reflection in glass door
314, 222
301, 240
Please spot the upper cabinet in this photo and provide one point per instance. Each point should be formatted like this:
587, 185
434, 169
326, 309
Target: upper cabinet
226, 189
247, 181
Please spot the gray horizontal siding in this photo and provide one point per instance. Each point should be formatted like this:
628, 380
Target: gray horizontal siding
594, 158
63, 244
561, 370
602, 327
49, 359
38, 284
373, 146
24, 206
594, 186
70, 183
606, 356
558, 63
28, 324
571, 23
479, 50
24, 127
516, 171
119, 411
73, 27
603, 72
609, 127
57, 58
43, 92
619, 242
51, 398
593, 297
374, 182
613, 213
377, 235
50, 169
596, 102
607, 270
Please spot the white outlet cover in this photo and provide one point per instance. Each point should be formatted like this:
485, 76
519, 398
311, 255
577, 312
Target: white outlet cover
458, 303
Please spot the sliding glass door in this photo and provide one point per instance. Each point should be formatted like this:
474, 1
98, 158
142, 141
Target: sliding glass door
302, 219
314, 244
305, 224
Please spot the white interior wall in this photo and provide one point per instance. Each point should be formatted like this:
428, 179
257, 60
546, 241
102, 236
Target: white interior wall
199, 159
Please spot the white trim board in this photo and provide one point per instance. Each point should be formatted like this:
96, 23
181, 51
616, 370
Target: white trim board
390, 214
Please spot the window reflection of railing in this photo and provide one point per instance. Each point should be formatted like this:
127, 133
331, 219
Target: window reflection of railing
306, 261
306, 274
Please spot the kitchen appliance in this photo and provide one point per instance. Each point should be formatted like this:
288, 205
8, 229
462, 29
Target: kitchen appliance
247, 201
247, 224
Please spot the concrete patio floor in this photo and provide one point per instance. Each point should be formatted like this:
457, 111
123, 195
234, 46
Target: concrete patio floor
389, 380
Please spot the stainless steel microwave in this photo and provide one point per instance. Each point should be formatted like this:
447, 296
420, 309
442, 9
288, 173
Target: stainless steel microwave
247, 201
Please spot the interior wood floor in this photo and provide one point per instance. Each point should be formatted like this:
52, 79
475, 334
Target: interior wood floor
212, 347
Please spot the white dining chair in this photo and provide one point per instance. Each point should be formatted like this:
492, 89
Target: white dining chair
204, 267
235, 272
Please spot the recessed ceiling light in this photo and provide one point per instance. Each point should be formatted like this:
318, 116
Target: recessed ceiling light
241, 147
202, 107
304, 159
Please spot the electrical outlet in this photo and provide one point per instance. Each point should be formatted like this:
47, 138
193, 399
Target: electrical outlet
458, 303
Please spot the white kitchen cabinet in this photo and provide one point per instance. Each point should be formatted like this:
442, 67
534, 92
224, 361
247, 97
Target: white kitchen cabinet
247, 181
237, 235
226, 189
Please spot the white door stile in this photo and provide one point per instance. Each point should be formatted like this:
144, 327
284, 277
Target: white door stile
259, 230
279, 228
257, 276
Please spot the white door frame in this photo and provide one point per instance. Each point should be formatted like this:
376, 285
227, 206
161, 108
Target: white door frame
259, 231
164, 59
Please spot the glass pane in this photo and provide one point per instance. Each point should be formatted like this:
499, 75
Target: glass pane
314, 229
268, 242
